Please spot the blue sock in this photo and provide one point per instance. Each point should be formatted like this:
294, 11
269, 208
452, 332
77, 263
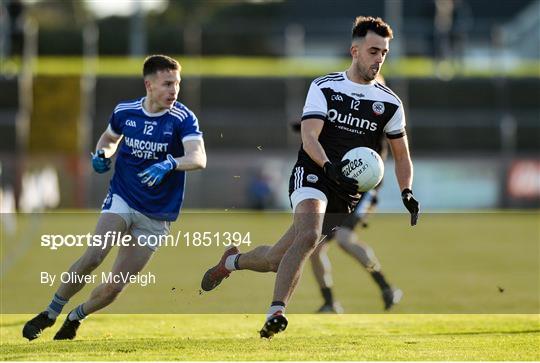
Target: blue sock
77, 313
55, 307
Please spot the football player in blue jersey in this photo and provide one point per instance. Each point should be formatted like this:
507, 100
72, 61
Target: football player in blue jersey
156, 139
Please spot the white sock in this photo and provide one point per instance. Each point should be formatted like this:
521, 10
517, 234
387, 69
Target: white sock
274, 309
73, 316
229, 262
77, 314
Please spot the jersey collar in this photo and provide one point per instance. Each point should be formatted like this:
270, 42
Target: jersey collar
354, 83
150, 114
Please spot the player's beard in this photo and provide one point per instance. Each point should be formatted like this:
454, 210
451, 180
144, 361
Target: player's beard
371, 73
368, 74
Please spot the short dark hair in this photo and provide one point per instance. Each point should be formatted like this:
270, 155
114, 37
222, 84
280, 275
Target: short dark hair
363, 24
159, 62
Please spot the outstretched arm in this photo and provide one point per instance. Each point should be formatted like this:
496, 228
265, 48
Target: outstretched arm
402, 158
404, 174
311, 129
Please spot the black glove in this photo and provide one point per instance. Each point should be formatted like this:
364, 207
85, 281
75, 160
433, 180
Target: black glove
411, 204
334, 172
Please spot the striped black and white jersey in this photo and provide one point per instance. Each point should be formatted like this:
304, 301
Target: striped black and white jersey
354, 115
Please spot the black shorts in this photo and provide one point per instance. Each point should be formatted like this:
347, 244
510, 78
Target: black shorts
339, 206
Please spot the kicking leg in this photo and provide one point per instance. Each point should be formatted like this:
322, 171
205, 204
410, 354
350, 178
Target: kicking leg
260, 259
266, 258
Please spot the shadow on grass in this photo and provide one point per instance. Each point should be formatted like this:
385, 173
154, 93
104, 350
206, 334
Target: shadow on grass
14, 323
489, 332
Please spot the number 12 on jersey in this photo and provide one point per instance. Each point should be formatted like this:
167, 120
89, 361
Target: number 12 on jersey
148, 129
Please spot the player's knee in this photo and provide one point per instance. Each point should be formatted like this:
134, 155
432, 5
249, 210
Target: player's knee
308, 238
273, 260
273, 266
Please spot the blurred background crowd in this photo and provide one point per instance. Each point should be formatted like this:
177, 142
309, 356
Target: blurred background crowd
468, 72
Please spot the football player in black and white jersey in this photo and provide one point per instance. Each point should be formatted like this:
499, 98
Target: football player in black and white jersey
343, 110
347, 239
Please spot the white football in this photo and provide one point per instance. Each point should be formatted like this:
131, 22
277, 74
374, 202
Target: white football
365, 166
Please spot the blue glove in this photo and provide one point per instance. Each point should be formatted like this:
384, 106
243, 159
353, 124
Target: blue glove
154, 174
100, 163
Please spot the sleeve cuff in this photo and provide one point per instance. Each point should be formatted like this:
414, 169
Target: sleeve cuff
192, 137
396, 134
313, 115
114, 133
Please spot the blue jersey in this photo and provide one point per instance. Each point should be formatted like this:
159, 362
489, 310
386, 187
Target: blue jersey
147, 139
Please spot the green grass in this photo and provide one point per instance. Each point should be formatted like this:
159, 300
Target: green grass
452, 268
234, 66
448, 263
309, 337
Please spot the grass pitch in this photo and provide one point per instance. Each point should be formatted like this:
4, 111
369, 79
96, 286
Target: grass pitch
471, 284
449, 263
309, 337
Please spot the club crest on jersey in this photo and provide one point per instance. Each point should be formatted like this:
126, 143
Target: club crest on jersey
167, 129
378, 108
312, 178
